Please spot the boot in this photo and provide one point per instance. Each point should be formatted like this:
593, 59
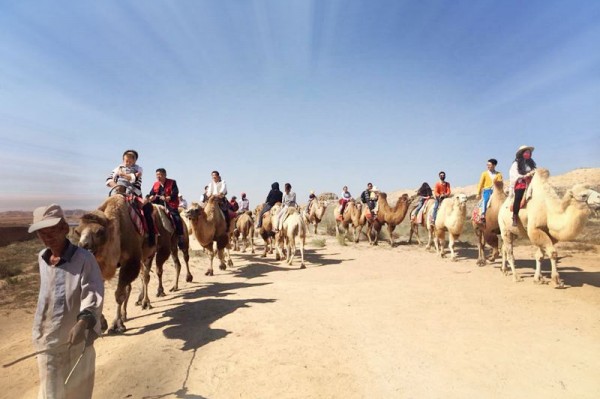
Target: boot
151, 238
515, 220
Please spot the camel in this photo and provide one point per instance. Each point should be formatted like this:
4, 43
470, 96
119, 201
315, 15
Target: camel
294, 225
488, 231
546, 220
209, 227
166, 245
414, 224
111, 236
354, 217
266, 231
389, 216
317, 210
244, 226
450, 217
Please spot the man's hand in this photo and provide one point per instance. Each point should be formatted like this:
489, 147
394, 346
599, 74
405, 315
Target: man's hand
478, 197
77, 333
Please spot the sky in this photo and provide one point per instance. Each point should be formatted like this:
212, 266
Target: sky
320, 94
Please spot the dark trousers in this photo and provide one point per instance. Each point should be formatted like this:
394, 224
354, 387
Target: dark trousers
519, 192
265, 209
177, 220
147, 208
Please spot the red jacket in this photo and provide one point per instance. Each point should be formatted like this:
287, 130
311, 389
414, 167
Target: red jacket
171, 197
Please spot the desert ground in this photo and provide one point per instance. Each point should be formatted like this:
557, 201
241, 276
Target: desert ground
358, 322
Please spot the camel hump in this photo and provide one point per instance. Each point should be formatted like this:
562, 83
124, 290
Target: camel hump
542, 173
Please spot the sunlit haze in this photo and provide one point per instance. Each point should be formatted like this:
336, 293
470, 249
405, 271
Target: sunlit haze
320, 94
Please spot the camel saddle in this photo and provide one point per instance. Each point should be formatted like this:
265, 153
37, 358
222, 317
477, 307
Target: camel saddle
135, 213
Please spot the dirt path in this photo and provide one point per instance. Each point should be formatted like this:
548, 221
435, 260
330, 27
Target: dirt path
359, 322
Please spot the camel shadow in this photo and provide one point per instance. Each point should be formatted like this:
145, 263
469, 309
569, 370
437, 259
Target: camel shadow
576, 277
191, 322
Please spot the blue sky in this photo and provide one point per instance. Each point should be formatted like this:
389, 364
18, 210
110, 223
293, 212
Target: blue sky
320, 94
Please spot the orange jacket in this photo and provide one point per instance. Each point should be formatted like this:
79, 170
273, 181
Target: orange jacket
441, 189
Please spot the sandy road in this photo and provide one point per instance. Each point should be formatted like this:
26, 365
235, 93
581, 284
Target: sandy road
359, 322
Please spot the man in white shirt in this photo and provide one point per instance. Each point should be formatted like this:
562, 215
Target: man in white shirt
69, 309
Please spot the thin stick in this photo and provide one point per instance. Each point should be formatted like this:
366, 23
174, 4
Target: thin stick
33, 354
76, 363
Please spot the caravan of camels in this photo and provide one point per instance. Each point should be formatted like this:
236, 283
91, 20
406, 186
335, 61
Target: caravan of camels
114, 232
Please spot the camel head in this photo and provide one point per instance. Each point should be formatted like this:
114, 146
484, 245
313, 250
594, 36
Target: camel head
460, 200
582, 193
499, 185
193, 212
93, 231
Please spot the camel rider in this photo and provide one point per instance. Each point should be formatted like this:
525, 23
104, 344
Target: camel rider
289, 199
311, 198
244, 204
345, 197
217, 187
486, 184
440, 192
129, 175
165, 192
424, 193
373, 197
365, 198
521, 172
182, 202
233, 205
204, 199
274, 196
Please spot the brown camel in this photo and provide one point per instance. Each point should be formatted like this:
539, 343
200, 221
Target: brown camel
166, 246
546, 220
294, 225
388, 215
209, 227
111, 236
488, 231
266, 231
354, 217
244, 227
451, 218
317, 210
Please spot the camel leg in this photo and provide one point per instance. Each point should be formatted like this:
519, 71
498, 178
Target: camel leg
228, 257
439, 243
145, 300
508, 242
492, 240
390, 231
186, 258
177, 264
118, 325
429, 237
555, 276
480, 247
252, 240
545, 246
221, 252
161, 257
451, 241
291, 249
316, 224
211, 255
302, 243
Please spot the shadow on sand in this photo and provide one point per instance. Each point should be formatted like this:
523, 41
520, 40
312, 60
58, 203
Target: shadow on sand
191, 322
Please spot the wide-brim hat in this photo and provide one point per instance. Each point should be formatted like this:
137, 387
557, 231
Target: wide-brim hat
524, 148
46, 216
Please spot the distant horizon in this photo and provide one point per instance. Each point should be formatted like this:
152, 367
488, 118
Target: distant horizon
68, 208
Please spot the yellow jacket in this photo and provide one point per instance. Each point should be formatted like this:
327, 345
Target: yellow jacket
485, 181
